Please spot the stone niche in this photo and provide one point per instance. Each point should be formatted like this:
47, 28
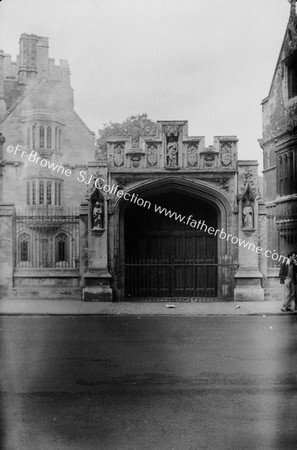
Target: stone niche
97, 278
248, 277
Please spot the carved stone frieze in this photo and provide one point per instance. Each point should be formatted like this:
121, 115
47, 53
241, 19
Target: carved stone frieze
217, 180
172, 129
122, 182
248, 189
225, 184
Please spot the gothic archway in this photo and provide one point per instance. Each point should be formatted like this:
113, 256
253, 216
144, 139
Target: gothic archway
162, 257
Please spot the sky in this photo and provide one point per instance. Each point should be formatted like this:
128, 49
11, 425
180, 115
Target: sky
209, 62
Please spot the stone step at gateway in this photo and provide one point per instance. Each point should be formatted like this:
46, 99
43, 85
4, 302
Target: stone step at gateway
52, 293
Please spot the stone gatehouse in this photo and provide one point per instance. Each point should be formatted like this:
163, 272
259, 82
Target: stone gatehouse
166, 205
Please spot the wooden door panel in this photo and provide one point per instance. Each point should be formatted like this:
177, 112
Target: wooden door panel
166, 258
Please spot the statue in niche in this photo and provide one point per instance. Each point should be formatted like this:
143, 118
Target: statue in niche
97, 216
172, 152
248, 216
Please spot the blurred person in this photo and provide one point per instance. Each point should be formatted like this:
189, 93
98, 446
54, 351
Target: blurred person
288, 277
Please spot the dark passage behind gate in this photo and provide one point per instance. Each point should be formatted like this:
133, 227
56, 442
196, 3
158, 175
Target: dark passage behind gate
165, 258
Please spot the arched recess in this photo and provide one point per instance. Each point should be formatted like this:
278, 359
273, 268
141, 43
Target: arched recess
172, 187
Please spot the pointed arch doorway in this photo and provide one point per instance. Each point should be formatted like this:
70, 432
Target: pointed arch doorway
167, 258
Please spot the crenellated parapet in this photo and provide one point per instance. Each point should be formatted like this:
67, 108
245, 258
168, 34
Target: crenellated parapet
171, 149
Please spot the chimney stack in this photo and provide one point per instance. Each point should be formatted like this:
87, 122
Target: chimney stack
42, 56
28, 58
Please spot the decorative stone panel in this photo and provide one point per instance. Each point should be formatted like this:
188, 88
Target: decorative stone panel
135, 158
192, 154
152, 154
118, 152
208, 159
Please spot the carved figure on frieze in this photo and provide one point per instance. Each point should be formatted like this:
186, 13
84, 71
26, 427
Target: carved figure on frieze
248, 216
192, 155
172, 152
152, 154
226, 153
135, 142
119, 154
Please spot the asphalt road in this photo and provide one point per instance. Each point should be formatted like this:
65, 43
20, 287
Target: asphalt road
148, 383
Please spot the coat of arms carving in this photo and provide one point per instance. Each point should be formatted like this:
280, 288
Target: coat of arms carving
226, 153
152, 154
119, 154
135, 160
209, 160
192, 155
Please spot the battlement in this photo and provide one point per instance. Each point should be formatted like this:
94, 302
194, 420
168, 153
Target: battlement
33, 62
171, 149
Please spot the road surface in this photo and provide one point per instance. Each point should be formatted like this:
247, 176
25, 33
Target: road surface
148, 383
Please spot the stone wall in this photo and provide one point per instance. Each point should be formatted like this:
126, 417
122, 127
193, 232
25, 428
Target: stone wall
6, 248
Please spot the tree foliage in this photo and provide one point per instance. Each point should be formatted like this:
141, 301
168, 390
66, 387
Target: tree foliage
133, 127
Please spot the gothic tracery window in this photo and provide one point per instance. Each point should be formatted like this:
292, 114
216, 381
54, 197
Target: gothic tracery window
41, 192
33, 192
41, 136
61, 247
49, 137
48, 193
24, 247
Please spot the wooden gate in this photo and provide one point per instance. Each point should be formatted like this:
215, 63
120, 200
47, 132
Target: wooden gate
165, 257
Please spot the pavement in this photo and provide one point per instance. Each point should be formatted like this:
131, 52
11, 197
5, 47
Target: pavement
76, 307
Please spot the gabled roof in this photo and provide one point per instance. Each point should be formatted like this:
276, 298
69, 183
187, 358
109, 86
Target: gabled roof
28, 91
22, 97
83, 123
289, 43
